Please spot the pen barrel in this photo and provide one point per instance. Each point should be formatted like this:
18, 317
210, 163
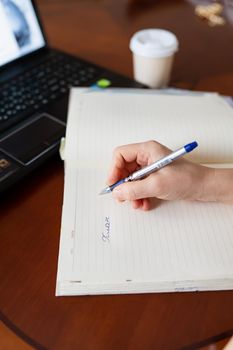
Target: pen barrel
161, 163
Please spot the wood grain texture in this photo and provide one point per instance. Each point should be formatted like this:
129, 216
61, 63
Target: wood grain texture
30, 212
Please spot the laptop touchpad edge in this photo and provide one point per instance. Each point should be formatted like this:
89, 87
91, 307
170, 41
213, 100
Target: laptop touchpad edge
33, 139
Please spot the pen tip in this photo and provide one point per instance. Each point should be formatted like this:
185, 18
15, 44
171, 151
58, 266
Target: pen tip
105, 191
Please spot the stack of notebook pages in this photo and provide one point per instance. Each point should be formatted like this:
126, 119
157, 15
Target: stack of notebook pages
109, 248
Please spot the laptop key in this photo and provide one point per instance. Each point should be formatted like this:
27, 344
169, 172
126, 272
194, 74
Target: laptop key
41, 85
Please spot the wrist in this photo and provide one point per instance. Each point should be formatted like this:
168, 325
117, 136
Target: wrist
217, 185
223, 182
207, 185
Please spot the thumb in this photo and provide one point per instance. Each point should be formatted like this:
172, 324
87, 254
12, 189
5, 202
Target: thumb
132, 190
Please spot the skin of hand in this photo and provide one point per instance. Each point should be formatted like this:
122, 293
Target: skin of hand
181, 179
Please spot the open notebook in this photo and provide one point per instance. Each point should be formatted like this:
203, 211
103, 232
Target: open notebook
108, 248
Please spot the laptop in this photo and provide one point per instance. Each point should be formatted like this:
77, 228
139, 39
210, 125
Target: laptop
34, 87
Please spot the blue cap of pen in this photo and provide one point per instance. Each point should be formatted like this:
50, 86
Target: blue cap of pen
190, 146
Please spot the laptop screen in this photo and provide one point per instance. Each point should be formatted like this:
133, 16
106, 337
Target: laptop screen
20, 31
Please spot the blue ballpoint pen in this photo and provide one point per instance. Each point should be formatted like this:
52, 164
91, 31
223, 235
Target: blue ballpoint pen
161, 163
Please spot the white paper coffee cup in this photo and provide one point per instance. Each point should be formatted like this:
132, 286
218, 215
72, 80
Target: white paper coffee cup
153, 53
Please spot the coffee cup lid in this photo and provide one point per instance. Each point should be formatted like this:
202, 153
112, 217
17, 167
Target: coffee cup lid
154, 43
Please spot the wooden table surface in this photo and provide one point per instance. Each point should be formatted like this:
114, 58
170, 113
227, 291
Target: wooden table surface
30, 213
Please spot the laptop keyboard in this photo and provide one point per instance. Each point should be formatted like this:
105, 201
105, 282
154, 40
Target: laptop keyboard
44, 83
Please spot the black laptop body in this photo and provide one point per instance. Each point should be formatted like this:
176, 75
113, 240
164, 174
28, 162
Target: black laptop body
34, 88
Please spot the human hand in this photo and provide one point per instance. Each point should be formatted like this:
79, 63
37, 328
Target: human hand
180, 180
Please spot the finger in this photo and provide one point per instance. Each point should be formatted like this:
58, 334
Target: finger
127, 152
135, 190
123, 162
127, 159
116, 173
143, 204
146, 205
137, 203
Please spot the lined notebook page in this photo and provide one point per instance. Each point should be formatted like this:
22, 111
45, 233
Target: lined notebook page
109, 247
171, 120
